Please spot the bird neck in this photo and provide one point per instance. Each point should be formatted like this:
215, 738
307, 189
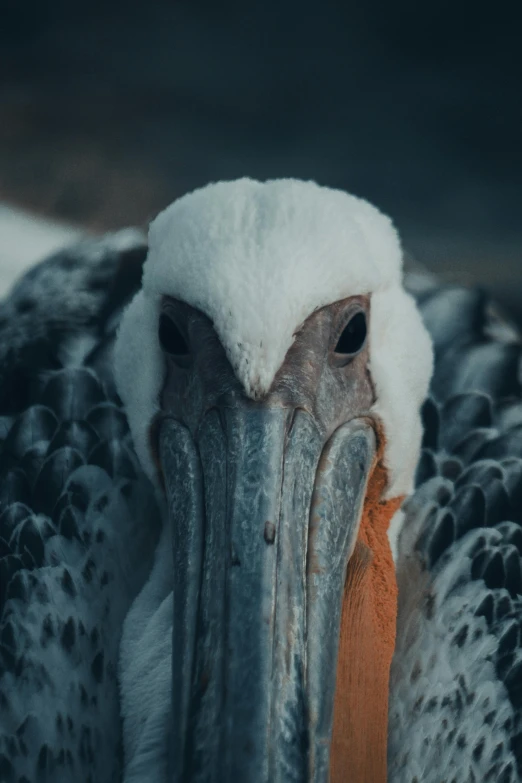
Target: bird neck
367, 642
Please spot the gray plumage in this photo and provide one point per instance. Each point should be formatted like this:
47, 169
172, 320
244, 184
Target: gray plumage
73, 500
456, 681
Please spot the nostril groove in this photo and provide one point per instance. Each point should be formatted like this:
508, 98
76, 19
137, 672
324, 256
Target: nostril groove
270, 532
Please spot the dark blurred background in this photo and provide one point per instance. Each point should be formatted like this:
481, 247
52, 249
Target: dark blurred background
111, 110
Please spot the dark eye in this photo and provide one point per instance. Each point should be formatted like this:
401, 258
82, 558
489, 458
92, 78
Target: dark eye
353, 336
172, 340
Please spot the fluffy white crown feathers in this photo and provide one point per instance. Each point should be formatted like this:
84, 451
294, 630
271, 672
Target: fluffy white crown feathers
258, 259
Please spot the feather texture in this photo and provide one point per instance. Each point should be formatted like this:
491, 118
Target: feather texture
456, 685
74, 551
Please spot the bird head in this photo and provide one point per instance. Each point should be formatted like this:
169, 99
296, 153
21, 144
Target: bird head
272, 368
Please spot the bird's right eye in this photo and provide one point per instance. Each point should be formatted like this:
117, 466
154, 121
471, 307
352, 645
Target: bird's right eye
172, 340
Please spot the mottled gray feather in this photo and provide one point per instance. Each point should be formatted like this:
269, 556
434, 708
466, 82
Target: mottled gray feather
456, 685
74, 549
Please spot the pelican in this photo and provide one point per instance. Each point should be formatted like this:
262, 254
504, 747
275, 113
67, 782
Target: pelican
260, 506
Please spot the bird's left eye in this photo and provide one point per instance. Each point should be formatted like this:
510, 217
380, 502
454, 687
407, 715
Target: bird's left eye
353, 336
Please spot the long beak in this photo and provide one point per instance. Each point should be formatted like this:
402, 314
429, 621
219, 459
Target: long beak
265, 517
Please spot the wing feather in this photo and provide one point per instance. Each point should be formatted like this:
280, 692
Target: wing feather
456, 684
78, 519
